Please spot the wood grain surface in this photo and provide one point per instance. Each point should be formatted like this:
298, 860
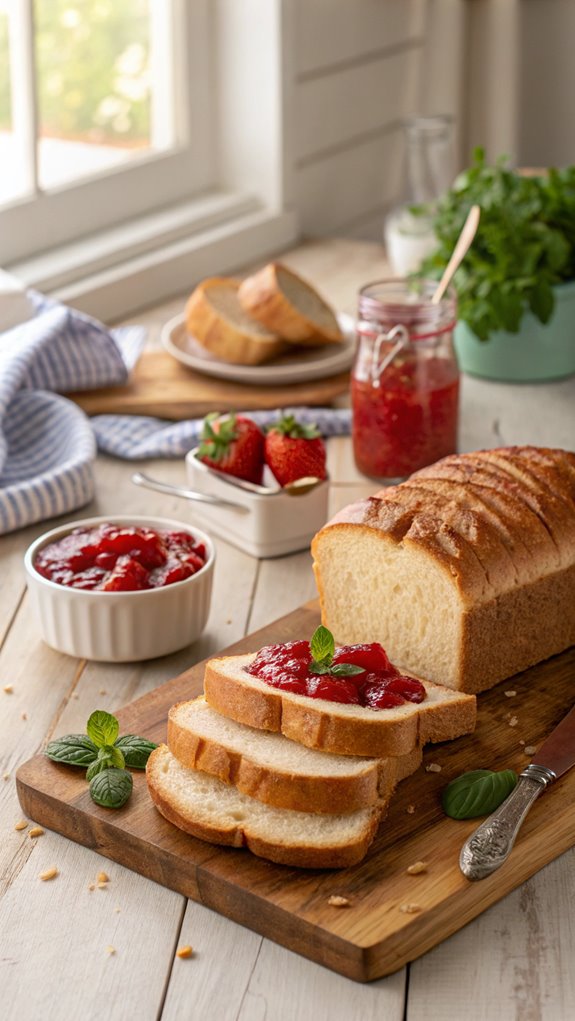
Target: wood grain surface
164, 387
373, 936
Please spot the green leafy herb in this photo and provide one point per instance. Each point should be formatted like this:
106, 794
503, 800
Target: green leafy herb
478, 792
103, 752
524, 246
73, 750
322, 648
136, 750
111, 788
102, 728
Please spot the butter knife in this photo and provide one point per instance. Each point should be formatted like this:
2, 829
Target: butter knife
492, 842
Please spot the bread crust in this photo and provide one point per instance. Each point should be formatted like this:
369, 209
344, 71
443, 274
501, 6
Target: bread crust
229, 341
262, 297
320, 724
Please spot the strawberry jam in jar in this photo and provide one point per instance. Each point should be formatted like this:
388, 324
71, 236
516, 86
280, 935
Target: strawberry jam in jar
405, 379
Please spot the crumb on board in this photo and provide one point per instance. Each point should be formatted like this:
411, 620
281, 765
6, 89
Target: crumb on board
510, 694
8, 689
24, 716
433, 767
410, 809
110, 950
102, 877
6, 776
36, 831
21, 824
184, 952
91, 886
410, 909
416, 868
530, 749
513, 721
336, 901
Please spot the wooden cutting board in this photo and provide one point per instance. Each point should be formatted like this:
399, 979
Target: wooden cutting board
373, 935
162, 386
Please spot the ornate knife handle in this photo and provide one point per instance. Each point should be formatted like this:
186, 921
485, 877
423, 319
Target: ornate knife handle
491, 844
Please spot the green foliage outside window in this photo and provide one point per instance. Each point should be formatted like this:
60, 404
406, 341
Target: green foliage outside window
92, 60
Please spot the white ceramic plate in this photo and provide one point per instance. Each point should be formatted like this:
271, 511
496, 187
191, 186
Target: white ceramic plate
301, 366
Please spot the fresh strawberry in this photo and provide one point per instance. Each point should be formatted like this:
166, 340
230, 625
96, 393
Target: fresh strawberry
294, 451
233, 444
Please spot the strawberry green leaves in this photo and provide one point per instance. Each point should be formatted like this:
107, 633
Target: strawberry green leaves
322, 647
478, 792
103, 752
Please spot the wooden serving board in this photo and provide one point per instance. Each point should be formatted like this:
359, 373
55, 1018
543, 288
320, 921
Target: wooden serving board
372, 936
162, 386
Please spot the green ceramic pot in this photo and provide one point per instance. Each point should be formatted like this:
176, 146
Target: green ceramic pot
537, 352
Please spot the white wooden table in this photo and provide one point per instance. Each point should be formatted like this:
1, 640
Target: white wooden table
513, 963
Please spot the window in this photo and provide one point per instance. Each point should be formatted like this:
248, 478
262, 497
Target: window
146, 144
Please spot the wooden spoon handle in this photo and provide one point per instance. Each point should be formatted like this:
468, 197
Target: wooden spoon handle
463, 242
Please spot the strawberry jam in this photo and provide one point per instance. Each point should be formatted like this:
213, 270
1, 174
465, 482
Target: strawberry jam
377, 684
111, 558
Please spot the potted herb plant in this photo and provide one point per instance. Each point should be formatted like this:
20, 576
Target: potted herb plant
516, 286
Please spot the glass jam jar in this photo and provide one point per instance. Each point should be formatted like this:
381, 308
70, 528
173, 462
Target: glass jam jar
405, 379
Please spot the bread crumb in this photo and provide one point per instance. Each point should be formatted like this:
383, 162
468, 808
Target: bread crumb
74, 695
410, 809
36, 831
510, 694
103, 691
530, 749
49, 874
110, 950
6, 776
21, 825
184, 952
522, 742
24, 716
102, 886
91, 886
513, 721
338, 902
433, 767
410, 909
416, 868
117, 910
8, 689
228, 622
102, 877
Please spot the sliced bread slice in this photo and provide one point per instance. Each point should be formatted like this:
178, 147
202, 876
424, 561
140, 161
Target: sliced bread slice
215, 318
285, 303
213, 811
279, 772
333, 726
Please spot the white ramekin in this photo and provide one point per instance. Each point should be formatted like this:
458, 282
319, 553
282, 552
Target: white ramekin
121, 627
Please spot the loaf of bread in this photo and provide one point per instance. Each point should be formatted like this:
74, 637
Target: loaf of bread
278, 772
214, 811
333, 726
217, 321
465, 572
288, 305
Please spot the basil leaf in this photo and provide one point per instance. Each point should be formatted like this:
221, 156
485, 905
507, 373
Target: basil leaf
136, 750
346, 670
478, 792
73, 750
111, 788
322, 645
103, 728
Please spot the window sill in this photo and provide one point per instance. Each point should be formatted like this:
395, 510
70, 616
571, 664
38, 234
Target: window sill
145, 261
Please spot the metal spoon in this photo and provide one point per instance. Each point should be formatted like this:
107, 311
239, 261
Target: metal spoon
139, 479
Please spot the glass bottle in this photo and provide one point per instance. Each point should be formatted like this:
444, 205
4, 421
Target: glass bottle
429, 173
405, 379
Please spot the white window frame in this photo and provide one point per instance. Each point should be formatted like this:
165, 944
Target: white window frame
228, 199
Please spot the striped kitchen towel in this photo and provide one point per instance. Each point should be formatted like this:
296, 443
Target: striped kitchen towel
47, 445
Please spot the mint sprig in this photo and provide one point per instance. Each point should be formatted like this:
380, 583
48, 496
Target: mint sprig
103, 751
322, 648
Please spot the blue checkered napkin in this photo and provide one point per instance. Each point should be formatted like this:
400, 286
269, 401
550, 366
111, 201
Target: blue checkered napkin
46, 443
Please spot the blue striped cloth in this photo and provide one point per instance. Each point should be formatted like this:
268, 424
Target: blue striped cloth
47, 446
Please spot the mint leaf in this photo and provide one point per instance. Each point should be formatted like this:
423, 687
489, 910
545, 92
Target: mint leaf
136, 750
73, 750
322, 645
102, 728
319, 668
478, 792
111, 788
346, 670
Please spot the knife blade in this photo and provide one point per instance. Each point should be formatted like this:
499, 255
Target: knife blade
492, 842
